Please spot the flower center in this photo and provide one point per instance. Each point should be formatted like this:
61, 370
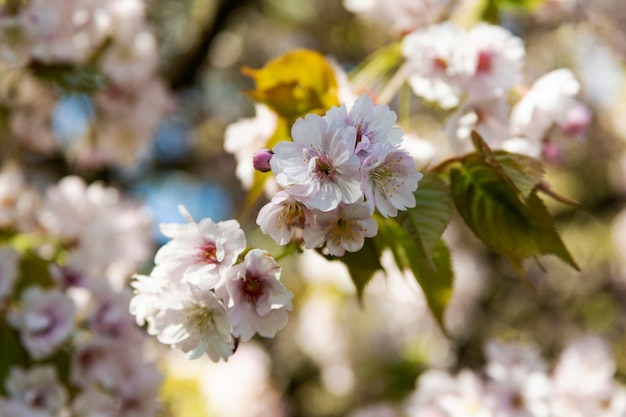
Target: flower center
385, 177
291, 215
252, 287
208, 253
344, 230
485, 62
323, 168
440, 64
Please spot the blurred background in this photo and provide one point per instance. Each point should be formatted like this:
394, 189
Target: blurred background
335, 356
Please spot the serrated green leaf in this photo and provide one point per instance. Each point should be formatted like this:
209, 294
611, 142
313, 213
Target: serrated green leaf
490, 206
432, 212
435, 278
484, 152
362, 265
524, 171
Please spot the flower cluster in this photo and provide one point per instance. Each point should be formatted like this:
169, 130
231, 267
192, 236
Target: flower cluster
475, 72
74, 347
339, 169
202, 298
104, 48
518, 384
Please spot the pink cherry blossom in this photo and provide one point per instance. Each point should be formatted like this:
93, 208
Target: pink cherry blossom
256, 300
373, 123
319, 168
38, 389
45, 320
201, 253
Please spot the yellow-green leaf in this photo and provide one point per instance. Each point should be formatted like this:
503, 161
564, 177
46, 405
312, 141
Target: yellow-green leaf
295, 84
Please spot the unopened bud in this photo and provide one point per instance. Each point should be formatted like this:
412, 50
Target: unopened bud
261, 160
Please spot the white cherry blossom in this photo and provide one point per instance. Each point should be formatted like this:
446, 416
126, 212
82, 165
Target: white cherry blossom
435, 63
547, 102
282, 218
494, 59
344, 228
194, 321
389, 178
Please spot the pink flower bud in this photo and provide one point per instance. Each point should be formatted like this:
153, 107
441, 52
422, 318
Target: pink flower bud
261, 160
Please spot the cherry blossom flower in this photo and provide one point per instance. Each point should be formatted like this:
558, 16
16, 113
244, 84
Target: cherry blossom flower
389, 178
256, 300
44, 321
548, 101
397, 16
373, 123
518, 384
435, 64
148, 290
282, 218
194, 321
38, 389
132, 60
201, 252
342, 229
93, 402
488, 117
587, 359
319, 168
494, 59
87, 215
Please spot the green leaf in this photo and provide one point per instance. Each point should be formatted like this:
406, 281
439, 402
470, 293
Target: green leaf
525, 172
436, 279
490, 206
484, 152
362, 265
432, 212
